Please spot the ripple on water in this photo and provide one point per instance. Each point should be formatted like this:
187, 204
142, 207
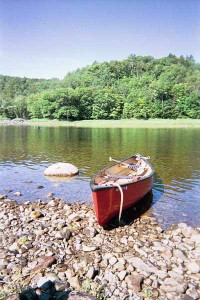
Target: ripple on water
24, 155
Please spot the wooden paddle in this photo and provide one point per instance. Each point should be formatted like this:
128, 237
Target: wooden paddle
130, 166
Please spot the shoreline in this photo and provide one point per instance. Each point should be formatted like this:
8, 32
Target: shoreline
125, 123
63, 243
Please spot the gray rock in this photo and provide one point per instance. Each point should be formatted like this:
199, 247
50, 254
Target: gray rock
193, 267
3, 263
184, 297
180, 254
81, 296
173, 274
122, 275
89, 248
74, 217
14, 247
90, 231
74, 282
192, 292
61, 170
188, 231
119, 267
161, 274
134, 282
171, 285
91, 273
61, 286
112, 260
139, 264
195, 237
36, 214
17, 194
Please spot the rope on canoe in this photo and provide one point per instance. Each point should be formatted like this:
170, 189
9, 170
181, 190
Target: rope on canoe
132, 167
121, 200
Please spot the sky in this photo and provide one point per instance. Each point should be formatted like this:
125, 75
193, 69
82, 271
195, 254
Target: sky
49, 38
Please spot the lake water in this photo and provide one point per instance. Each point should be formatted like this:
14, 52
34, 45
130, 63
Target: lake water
26, 151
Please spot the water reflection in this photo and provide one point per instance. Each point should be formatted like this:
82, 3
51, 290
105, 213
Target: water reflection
25, 153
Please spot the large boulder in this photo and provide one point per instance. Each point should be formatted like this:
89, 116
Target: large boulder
61, 170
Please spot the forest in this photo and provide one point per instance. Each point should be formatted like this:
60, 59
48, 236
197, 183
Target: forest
136, 87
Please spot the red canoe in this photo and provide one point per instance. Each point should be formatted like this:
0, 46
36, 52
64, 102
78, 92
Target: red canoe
120, 186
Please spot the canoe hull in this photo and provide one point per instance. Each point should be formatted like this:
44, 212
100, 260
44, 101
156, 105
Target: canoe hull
107, 200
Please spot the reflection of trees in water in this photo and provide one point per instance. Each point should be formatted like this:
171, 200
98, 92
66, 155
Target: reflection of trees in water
174, 152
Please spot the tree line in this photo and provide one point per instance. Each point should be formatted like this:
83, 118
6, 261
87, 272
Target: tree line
136, 87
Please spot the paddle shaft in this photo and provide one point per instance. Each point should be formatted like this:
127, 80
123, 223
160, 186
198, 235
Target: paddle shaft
118, 161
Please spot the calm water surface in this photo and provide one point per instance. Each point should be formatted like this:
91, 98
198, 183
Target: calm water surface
25, 152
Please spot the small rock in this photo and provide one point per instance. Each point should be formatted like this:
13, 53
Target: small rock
49, 195
161, 274
188, 231
91, 273
112, 260
193, 267
170, 285
192, 292
89, 248
90, 231
61, 286
184, 297
17, 194
3, 264
180, 254
74, 282
36, 214
14, 247
122, 275
81, 296
74, 217
139, 264
134, 282
47, 261
40, 187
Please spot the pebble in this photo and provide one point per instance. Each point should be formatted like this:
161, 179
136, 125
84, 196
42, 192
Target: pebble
193, 267
91, 273
17, 194
63, 244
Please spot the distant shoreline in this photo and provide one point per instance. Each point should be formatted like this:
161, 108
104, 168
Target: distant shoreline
124, 123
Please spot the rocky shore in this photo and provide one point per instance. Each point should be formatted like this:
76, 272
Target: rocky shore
58, 251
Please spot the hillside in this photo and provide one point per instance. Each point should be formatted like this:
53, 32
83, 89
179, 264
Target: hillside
139, 87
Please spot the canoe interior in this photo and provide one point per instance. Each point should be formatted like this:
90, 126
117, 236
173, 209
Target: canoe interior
121, 173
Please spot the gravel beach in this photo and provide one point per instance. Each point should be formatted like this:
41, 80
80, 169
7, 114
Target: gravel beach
58, 251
